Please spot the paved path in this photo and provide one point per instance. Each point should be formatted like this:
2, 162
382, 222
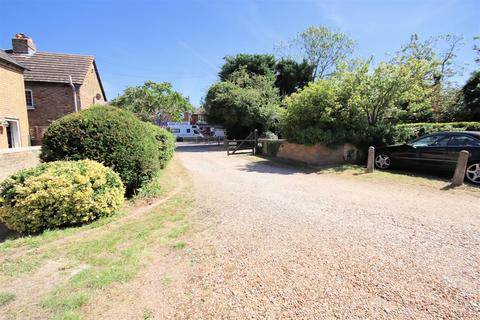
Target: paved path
281, 242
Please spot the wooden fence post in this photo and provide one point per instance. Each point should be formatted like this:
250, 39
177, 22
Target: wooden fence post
255, 141
371, 160
459, 175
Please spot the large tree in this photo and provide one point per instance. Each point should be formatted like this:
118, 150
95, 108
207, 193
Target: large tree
292, 75
260, 64
243, 103
477, 49
321, 47
152, 100
393, 92
471, 96
439, 54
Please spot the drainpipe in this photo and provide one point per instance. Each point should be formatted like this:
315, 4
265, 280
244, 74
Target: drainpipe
74, 94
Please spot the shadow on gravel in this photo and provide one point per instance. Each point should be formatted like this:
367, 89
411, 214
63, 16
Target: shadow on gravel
199, 148
276, 167
285, 167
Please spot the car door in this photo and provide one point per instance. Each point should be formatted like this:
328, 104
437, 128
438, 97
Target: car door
404, 155
432, 150
460, 142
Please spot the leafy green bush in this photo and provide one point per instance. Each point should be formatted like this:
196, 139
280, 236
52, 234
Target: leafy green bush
243, 103
407, 132
108, 135
320, 113
270, 147
57, 194
378, 135
165, 141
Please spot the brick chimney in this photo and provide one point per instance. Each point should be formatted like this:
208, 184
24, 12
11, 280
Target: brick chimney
21, 43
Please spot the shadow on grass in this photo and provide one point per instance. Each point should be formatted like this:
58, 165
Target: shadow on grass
6, 233
285, 167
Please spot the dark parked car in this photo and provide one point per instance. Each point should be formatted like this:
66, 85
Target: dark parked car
434, 151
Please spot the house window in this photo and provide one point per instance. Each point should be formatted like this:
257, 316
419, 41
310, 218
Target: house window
29, 99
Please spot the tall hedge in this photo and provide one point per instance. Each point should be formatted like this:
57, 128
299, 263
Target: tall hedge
57, 194
165, 141
407, 132
108, 135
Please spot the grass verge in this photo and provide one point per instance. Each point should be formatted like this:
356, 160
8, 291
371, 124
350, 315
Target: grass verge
6, 297
111, 251
425, 179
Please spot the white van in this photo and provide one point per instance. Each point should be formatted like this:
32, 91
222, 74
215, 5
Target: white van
185, 131
216, 132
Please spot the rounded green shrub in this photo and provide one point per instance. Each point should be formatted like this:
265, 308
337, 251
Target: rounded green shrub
165, 141
58, 194
108, 135
320, 113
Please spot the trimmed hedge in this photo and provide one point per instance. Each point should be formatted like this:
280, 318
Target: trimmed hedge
406, 132
58, 194
166, 143
108, 135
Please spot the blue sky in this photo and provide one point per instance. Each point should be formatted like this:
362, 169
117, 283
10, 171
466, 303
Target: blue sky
183, 42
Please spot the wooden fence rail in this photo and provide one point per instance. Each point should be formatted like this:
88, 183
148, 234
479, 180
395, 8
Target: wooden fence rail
233, 146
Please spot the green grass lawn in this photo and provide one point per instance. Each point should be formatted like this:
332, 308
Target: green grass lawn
91, 258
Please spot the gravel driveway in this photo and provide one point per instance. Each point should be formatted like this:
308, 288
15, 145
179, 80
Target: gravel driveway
281, 242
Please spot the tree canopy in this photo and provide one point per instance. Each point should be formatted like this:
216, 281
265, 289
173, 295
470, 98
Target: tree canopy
245, 102
320, 112
321, 47
324, 95
471, 96
391, 91
153, 99
292, 75
259, 64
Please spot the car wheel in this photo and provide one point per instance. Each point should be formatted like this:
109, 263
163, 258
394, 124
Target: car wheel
382, 161
473, 172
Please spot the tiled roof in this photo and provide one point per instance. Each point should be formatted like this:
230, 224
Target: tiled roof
5, 57
54, 67
199, 111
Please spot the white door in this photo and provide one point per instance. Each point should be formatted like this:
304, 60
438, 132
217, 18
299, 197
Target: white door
13, 133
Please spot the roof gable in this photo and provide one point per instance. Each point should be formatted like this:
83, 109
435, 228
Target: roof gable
5, 57
54, 67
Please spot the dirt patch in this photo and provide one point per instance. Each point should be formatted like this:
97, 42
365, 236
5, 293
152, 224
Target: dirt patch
30, 289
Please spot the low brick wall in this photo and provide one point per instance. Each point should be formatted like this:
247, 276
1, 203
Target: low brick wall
318, 154
12, 160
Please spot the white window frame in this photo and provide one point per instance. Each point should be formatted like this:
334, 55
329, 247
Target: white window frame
17, 141
32, 107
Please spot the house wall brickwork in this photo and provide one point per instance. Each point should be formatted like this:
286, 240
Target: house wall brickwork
90, 88
12, 102
54, 100
50, 101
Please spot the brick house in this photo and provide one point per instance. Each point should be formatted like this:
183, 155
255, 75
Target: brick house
55, 84
13, 114
198, 117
